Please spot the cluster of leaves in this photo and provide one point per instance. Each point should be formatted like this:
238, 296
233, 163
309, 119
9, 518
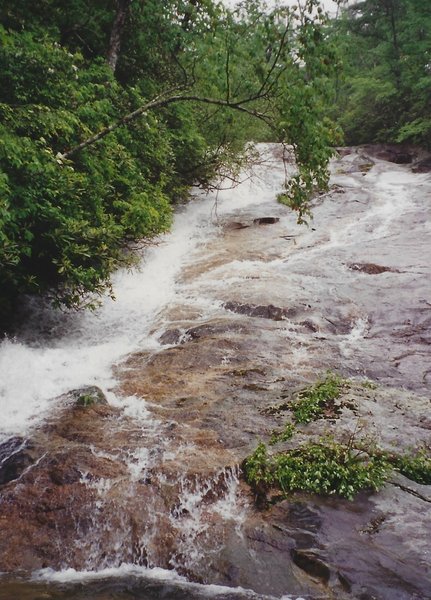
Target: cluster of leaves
416, 466
303, 119
323, 467
312, 402
386, 89
326, 467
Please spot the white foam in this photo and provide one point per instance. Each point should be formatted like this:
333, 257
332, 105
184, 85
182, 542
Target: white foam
71, 576
60, 352
350, 343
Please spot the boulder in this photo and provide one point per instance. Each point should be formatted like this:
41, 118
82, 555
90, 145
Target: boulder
422, 166
396, 153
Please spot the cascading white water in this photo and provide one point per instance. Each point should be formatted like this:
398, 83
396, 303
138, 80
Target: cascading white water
56, 351
342, 323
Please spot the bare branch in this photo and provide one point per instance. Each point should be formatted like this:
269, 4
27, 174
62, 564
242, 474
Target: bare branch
281, 46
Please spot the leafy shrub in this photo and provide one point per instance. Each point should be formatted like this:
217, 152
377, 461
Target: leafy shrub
416, 467
323, 467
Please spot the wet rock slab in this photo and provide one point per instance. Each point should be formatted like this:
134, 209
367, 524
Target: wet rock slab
109, 487
363, 549
344, 548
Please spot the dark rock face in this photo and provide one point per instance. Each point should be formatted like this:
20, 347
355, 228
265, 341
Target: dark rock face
15, 457
311, 564
275, 313
266, 220
398, 154
171, 336
234, 225
327, 557
370, 268
422, 166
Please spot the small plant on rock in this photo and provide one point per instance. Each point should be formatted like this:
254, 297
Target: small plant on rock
324, 467
416, 467
312, 402
86, 400
284, 435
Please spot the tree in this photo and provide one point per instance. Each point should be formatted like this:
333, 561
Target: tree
123, 7
98, 143
386, 94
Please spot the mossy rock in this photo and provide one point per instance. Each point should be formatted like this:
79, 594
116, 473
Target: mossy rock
88, 396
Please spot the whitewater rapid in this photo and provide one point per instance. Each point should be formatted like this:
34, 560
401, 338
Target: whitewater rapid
351, 292
57, 351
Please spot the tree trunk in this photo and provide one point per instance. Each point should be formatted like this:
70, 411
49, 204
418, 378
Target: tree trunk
116, 32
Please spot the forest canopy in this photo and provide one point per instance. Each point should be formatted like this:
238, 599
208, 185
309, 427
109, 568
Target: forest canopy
384, 94
111, 109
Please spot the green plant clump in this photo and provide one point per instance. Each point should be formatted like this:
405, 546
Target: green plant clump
416, 467
284, 435
86, 400
323, 467
312, 401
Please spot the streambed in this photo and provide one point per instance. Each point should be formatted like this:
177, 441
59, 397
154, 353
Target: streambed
229, 315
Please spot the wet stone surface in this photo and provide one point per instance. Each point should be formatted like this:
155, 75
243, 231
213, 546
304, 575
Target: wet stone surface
260, 313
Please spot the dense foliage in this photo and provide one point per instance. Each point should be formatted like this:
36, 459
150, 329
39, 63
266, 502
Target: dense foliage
416, 467
385, 94
324, 467
98, 139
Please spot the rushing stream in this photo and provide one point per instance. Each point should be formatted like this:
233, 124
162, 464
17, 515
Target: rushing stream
349, 293
57, 351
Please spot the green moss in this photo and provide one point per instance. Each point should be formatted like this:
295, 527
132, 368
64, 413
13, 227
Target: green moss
86, 400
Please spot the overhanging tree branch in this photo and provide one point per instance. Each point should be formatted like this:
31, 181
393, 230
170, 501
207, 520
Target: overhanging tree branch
160, 102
